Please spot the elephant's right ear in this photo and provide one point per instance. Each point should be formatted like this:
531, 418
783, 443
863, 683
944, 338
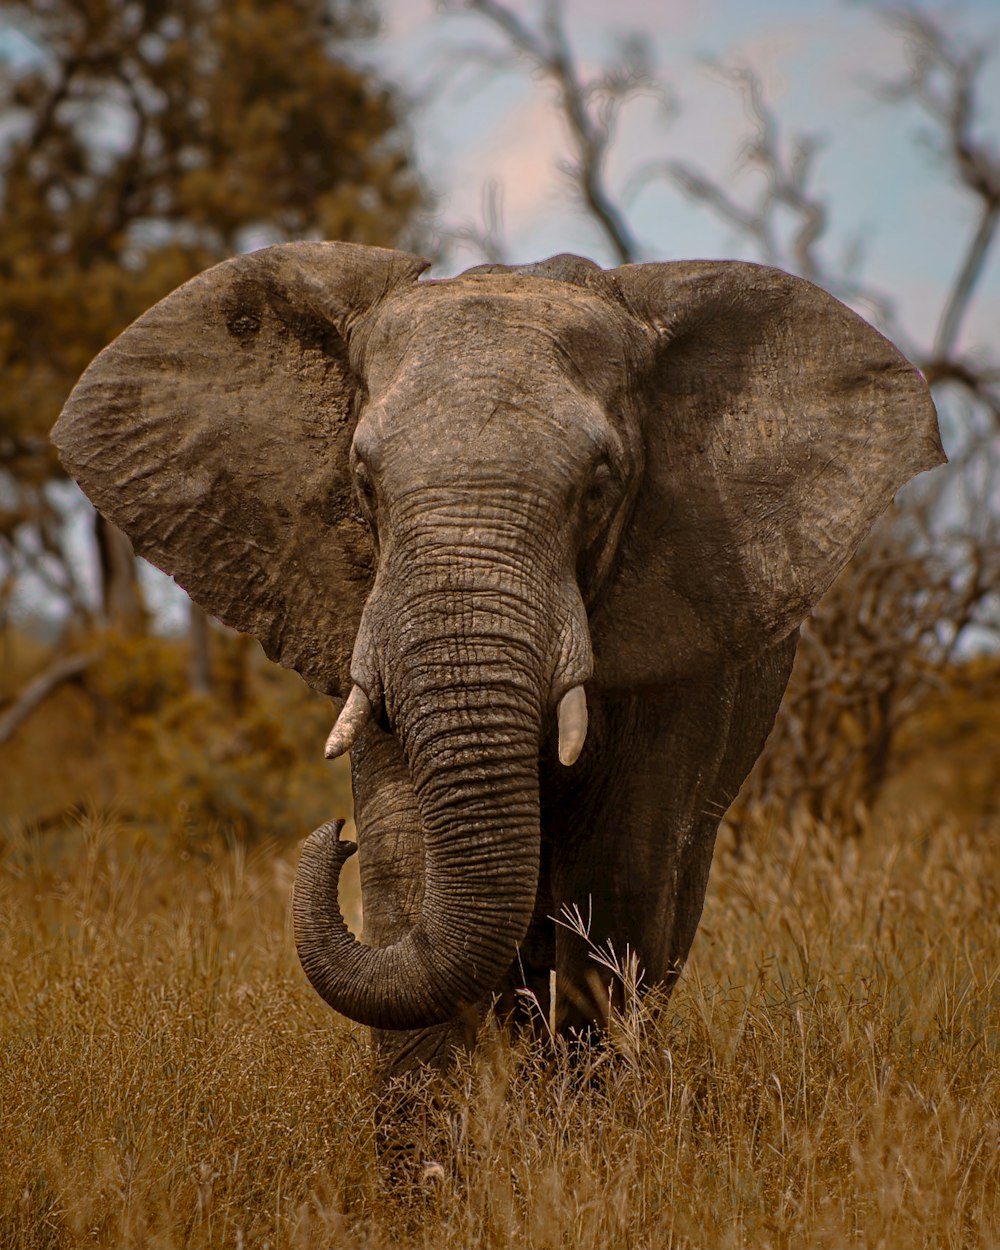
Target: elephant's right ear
215, 431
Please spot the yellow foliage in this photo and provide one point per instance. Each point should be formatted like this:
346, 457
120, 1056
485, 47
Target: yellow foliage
133, 740
826, 1074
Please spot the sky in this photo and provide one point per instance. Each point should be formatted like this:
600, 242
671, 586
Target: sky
473, 127
817, 60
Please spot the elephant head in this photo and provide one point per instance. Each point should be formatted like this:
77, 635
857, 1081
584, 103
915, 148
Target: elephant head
457, 503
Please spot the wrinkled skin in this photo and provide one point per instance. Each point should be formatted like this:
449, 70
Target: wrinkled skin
464, 500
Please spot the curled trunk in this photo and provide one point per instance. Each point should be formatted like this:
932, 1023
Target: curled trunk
470, 735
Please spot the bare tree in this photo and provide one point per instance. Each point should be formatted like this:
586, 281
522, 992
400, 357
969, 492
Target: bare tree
888, 635
589, 107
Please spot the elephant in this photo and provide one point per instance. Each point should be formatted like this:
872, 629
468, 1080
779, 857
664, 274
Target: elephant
547, 533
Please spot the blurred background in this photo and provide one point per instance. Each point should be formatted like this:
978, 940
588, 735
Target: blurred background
167, 1076
853, 144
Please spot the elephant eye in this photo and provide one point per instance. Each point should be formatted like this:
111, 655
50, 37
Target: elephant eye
597, 494
366, 492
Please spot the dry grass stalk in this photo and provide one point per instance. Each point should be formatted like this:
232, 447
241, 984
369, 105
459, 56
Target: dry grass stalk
826, 1073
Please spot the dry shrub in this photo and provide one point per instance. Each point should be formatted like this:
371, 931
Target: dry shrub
131, 737
880, 657
826, 1073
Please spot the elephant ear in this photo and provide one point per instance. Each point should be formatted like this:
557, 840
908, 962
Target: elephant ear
779, 425
215, 431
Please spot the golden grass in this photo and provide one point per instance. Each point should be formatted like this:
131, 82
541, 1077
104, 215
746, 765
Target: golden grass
826, 1074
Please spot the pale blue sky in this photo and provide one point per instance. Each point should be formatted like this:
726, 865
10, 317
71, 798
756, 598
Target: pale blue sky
814, 57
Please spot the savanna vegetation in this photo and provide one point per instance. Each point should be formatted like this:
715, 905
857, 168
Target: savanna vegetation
826, 1074
827, 1071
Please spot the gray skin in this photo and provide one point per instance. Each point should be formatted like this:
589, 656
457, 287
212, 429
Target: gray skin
468, 497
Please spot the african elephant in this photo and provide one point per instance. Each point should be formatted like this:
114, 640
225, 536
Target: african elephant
483, 509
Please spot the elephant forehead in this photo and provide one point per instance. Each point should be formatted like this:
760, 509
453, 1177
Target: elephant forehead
477, 425
518, 332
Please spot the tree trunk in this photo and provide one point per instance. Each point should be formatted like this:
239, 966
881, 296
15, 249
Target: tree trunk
200, 667
122, 607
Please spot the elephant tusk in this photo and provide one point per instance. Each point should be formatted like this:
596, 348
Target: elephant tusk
353, 717
572, 725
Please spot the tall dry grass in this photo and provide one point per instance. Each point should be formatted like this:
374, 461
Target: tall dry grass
825, 1075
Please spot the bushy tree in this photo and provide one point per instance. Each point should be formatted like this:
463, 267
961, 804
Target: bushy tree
141, 141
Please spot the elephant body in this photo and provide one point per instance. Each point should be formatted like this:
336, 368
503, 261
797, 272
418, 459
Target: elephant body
626, 841
549, 531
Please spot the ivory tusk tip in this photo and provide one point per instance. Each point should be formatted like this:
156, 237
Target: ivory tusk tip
337, 742
572, 717
352, 719
569, 755
340, 741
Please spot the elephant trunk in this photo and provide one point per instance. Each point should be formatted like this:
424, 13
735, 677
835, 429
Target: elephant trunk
467, 713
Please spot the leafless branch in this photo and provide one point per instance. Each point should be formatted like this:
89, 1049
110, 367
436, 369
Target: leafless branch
64, 669
487, 239
589, 107
33, 543
944, 80
786, 168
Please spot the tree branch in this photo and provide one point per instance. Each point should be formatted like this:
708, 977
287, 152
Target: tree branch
37, 691
578, 101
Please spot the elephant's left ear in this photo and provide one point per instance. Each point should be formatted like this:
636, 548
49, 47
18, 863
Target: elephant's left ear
779, 425
215, 431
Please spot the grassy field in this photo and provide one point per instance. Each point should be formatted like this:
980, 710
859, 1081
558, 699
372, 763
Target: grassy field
826, 1075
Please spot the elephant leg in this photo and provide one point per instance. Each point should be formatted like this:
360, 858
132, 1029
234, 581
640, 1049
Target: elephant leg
634, 848
626, 828
391, 862
757, 695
